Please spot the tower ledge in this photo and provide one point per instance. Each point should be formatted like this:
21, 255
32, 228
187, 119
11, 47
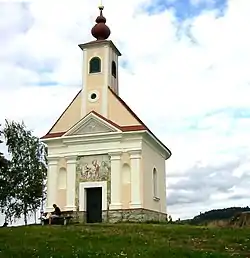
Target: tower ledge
100, 43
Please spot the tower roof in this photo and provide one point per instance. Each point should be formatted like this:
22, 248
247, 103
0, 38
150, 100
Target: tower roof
100, 31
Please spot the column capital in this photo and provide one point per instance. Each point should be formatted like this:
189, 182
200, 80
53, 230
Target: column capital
71, 159
115, 155
135, 154
53, 160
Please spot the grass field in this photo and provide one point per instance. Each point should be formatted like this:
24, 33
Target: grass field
123, 240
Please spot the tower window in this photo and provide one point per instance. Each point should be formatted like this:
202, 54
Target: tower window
113, 69
95, 65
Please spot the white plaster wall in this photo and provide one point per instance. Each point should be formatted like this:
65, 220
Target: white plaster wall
93, 145
126, 185
62, 178
124, 143
61, 188
114, 81
152, 159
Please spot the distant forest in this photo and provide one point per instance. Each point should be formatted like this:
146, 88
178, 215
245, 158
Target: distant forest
219, 214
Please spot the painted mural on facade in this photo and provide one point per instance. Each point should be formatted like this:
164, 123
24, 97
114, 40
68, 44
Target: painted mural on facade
91, 169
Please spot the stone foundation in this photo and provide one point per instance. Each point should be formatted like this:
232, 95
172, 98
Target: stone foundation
128, 215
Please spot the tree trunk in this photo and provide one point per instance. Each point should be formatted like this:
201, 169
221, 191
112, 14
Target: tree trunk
35, 216
25, 219
25, 215
6, 218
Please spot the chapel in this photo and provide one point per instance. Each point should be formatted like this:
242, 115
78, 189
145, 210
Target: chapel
104, 163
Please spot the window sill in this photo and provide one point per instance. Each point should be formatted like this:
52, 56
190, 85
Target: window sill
157, 199
95, 73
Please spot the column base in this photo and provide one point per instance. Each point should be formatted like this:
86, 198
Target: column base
134, 205
115, 206
70, 208
49, 209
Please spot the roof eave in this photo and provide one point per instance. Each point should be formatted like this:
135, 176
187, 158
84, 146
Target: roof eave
165, 148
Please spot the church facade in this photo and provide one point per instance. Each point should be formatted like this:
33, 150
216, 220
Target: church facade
103, 162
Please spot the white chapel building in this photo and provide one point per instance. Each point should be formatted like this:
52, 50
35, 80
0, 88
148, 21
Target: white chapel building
103, 161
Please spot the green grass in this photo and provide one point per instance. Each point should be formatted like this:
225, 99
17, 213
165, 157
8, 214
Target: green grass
124, 240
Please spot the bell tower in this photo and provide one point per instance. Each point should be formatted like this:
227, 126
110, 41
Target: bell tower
100, 68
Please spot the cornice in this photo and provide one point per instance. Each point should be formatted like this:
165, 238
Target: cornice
92, 138
115, 155
135, 154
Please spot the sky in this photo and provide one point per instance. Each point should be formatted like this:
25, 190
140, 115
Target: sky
184, 71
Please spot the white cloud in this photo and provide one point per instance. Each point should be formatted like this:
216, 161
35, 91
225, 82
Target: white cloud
184, 84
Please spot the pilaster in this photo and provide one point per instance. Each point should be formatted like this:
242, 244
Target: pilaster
135, 162
71, 181
52, 183
115, 159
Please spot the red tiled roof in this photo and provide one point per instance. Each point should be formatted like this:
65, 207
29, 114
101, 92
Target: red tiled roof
122, 128
53, 135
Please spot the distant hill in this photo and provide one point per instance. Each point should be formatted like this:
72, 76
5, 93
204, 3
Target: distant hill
215, 215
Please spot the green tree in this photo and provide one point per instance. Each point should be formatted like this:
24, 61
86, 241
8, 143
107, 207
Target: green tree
28, 168
3, 160
6, 187
3, 185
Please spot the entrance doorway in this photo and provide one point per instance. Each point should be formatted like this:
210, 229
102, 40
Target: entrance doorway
94, 205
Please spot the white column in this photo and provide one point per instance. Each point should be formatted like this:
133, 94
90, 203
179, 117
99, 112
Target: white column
115, 181
71, 183
135, 162
51, 183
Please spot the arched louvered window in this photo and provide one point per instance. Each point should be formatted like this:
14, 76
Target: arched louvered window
95, 65
113, 69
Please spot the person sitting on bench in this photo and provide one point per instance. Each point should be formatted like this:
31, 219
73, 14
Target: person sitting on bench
55, 214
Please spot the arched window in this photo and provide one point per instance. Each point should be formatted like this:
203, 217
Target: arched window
155, 190
113, 69
95, 65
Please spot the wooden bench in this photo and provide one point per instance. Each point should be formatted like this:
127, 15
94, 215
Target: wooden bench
63, 219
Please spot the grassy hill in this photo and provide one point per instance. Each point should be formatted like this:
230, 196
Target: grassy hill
124, 240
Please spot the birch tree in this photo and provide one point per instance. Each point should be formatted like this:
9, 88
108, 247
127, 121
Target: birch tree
28, 166
5, 186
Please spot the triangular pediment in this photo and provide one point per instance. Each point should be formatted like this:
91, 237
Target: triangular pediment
91, 124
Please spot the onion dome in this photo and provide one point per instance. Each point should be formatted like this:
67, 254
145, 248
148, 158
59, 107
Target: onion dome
100, 31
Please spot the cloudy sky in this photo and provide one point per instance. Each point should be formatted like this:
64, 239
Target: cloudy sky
185, 71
